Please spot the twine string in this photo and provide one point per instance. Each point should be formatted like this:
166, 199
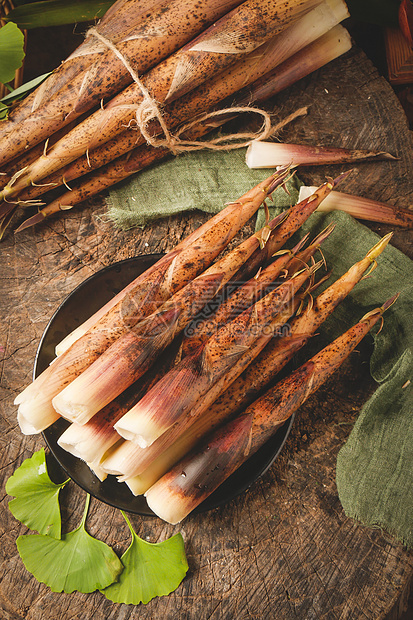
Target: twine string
149, 109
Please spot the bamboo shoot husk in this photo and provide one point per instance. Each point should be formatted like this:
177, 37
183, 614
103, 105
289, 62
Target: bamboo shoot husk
157, 284
365, 208
255, 65
239, 32
196, 476
323, 50
136, 351
145, 45
261, 154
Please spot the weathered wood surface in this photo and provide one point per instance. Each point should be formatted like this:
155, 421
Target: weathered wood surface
284, 549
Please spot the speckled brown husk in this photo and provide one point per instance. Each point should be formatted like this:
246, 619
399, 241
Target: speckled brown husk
196, 476
118, 20
169, 275
141, 157
147, 43
254, 22
138, 348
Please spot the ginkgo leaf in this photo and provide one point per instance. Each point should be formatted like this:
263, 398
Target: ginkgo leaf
75, 562
36, 502
11, 51
151, 569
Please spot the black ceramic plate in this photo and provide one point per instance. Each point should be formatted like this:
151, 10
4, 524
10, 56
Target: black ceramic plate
78, 306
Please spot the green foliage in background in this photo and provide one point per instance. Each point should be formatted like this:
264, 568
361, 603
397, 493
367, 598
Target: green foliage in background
11, 51
32, 14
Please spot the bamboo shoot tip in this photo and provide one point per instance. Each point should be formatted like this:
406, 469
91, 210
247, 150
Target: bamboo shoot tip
378, 248
390, 302
341, 177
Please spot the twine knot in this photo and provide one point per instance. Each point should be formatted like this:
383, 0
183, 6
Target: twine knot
149, 110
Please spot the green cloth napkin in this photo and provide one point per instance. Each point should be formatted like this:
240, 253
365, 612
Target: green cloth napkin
198, 180
375, 466
374, 472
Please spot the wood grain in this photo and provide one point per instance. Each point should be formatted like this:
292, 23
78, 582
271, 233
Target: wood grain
399, 56
284, 549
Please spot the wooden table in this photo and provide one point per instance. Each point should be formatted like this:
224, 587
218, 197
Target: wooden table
284, 549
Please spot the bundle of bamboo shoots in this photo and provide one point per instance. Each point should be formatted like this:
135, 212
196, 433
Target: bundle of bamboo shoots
136, 413
240, 31
198, 474
238, 387
85, 116
134, 410
100, 175
145, 297
87, 76
246, 71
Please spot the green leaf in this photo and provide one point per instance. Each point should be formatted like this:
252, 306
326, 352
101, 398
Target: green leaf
36, 502
151, 569
21, 91
76, 562
21, 2
58, 12
4, 112
11, 51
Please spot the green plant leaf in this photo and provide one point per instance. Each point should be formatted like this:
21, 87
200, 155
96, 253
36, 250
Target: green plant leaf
21, 91
151, 569
4, 112
58, 12
21, 2
36, 502
11, 51
75, 562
